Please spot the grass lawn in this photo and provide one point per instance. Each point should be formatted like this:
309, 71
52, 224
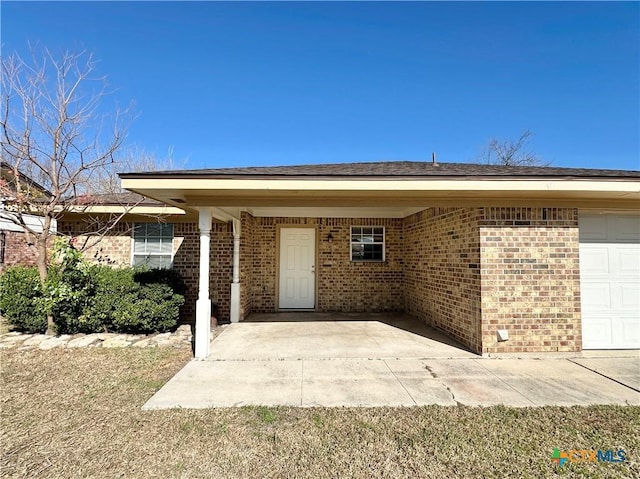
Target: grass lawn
76, 413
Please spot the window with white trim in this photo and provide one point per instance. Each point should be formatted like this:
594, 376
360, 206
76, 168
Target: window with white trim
152, 245
367, 243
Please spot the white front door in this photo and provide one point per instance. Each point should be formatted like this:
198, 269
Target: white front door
297, 268
610, 281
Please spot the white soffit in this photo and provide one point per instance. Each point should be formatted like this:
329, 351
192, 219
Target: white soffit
35, 223
334, 212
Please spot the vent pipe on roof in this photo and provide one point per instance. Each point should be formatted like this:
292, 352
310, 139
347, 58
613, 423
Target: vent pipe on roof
433, 159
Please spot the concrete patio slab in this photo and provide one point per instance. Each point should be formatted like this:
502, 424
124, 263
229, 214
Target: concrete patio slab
471, 384
351, 383
367, 339
626, 371
526, 382
423, 388
391, 361
559, 382
203, 384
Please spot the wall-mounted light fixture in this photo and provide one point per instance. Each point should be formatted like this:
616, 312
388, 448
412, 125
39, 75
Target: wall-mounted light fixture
330, 238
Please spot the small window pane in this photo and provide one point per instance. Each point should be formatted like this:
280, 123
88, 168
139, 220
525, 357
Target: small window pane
139, 246
153, 245
152, 261
139, 230
167, 230
367, 243
357, 251
166, 246
154, 229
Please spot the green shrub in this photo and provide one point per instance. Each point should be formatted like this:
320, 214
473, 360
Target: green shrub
68, 293
19, 292
113, 288
170, 277
84, 298
152, 308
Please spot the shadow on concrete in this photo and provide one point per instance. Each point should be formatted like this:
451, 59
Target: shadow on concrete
401, 321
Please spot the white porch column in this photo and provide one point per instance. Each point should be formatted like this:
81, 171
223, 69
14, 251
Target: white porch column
235, 286
203, 304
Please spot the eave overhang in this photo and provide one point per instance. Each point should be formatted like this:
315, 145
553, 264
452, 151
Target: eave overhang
191, 192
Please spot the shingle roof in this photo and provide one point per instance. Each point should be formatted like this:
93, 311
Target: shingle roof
395, 169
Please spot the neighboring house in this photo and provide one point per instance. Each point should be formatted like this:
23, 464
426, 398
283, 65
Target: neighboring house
16, 247
502, 259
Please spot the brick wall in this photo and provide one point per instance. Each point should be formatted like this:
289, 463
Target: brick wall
353, 286
221, 268
18, 250
186, 260
530, 279
246, 264
442, 271
342, 285
186, 243
466, 271
114, 249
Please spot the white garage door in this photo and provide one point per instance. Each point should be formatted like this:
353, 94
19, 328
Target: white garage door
610, 281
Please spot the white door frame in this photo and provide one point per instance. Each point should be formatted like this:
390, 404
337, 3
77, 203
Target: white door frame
280, 230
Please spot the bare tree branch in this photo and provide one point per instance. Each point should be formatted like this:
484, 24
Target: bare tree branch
511, 153
56, 139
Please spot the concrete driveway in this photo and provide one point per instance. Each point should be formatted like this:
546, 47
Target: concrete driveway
384, 360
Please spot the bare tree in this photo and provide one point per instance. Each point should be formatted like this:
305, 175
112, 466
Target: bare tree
56, 141
511, 153
105, 182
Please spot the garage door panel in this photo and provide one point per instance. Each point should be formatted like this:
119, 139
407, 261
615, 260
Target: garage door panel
596, 332
596, 296
628, 335
626, 296
593, 228
610, 281
627, 260
594, 260
625, 228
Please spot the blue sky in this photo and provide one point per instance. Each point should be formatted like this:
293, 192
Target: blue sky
267, 83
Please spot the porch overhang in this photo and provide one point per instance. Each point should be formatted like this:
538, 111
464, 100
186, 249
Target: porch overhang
192, 193
223, 198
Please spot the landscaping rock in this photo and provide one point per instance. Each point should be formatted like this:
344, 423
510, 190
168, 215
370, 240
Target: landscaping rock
118, 341
83, 341
184, 330
35, 340
6, 343
13, 339
143, 343
55, 342
105, 336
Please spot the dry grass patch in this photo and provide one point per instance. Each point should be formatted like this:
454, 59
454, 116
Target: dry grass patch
76, 413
